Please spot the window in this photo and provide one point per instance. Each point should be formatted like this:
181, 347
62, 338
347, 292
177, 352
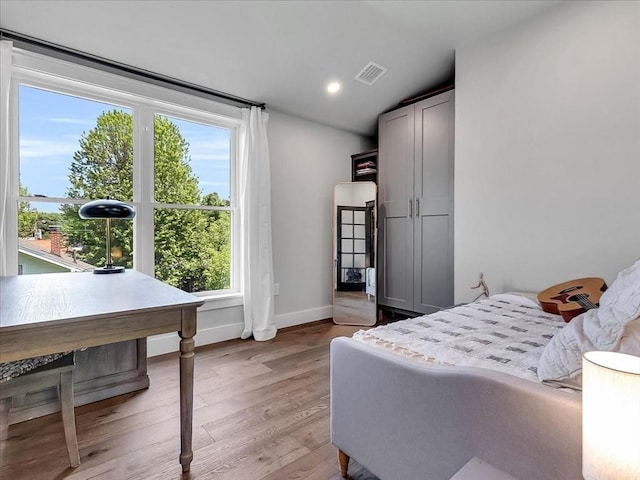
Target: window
71, 148
171, 155
192, 172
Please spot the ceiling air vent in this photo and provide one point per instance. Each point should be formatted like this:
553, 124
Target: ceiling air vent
370, 73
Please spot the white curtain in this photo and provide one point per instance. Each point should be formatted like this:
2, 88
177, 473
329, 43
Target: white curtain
255, 208
6, 48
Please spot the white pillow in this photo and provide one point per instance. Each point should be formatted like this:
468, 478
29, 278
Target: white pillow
619, 305
630, 340
610, 327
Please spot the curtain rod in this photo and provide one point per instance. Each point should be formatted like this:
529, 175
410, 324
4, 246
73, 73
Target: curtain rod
65, 53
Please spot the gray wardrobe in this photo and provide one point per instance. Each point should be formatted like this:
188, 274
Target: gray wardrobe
415, 168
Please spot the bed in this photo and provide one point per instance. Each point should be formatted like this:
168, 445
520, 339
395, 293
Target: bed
418, 399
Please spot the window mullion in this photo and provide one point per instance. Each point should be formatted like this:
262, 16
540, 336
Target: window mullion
143, 184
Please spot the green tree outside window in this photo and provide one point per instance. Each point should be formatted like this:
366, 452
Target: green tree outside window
192, 246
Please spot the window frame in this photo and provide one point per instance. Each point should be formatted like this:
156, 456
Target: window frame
145, 101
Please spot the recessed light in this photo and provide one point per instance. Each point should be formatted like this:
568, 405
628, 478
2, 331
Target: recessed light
333, 87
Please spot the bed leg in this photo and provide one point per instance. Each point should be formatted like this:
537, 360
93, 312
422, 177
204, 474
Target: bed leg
343, 461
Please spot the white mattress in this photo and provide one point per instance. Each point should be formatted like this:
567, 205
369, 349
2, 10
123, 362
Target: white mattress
505, 332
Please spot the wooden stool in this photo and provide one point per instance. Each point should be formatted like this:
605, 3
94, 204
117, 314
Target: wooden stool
38, 373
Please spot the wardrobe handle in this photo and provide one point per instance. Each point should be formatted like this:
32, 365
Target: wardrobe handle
417, 207
410, 208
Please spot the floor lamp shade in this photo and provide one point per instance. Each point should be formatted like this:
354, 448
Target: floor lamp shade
610, 416
107, 209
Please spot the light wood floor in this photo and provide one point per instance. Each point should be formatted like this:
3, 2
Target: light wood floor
261, 411
354, 308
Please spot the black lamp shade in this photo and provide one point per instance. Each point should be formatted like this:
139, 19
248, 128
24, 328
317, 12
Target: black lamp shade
105, 208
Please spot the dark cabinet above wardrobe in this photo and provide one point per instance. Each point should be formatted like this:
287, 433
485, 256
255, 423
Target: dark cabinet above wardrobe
364, 166
415, 188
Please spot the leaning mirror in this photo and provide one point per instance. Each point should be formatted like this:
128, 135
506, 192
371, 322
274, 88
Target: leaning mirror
354, 240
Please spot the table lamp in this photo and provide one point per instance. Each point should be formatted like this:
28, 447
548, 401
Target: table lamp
107, 209
610, 416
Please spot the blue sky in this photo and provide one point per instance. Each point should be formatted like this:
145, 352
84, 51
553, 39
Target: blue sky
52, 124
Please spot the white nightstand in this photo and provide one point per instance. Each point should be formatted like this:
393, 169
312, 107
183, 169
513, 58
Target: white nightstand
476, 469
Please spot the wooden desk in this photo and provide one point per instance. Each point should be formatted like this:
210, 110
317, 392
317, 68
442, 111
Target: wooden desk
55, 312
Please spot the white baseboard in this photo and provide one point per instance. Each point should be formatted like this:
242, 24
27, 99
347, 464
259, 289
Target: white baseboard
304, 316
161, 344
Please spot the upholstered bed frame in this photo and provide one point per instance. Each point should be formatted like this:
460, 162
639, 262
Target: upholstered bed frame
405, 420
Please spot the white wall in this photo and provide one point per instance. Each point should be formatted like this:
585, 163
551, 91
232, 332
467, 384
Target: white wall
307, 160
354, 194
548, 150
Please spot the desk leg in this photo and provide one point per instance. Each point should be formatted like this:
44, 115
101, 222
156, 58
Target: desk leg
186, 387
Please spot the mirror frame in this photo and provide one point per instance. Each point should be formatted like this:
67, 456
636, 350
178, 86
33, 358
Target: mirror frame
363, 314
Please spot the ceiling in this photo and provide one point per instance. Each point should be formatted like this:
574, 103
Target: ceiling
282, 53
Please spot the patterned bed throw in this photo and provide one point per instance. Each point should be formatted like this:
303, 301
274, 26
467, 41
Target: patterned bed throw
505, 332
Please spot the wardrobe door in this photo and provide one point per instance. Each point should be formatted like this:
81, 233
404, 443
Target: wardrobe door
433, 216
395, 190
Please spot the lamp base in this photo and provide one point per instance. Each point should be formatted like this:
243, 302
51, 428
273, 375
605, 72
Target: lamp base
109, 269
